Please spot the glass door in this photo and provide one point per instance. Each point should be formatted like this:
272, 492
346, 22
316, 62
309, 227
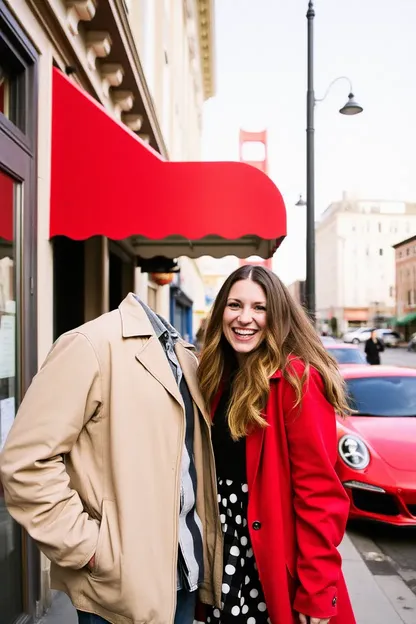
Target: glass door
11, 598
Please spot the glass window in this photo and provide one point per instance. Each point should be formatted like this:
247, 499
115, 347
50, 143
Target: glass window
348, 356
10, 535
12, 96
383, 396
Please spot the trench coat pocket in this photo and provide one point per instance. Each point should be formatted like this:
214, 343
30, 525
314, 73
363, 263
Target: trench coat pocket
107, 554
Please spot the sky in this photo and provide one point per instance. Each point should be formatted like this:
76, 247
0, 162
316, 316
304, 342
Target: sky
261, 60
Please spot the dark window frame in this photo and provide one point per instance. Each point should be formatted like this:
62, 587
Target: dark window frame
18, 159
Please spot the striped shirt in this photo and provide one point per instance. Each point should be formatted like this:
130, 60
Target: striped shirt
190, 555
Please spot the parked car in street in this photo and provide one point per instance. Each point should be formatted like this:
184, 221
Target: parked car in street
376, 444
389, 337
345, 354
412, 343
358, 335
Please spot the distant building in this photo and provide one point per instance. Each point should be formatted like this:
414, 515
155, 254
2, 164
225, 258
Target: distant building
406, 285
355, 264
298, 292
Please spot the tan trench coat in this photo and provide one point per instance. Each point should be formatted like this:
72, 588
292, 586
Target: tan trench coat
92, 466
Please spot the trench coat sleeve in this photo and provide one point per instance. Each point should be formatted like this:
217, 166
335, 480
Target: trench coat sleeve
63, 396
320, 502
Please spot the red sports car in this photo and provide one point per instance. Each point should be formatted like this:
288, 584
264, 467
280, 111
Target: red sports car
377, 444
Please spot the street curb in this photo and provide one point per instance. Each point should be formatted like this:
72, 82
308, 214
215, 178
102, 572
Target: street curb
376, 599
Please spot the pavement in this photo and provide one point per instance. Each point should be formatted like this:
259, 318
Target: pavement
376, 598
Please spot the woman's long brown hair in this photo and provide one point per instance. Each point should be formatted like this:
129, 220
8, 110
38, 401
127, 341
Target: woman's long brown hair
289, 334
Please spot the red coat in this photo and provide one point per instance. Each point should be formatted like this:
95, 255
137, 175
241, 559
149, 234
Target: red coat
298, 509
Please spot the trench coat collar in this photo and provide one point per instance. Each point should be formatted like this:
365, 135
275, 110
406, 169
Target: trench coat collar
135, 323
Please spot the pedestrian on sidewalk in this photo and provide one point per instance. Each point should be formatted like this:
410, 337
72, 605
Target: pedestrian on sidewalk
109, 467
273, 392
373, 347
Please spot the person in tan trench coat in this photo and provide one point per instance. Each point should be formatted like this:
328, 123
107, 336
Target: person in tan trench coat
108, 464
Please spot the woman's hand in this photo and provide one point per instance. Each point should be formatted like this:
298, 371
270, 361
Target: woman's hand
303, 619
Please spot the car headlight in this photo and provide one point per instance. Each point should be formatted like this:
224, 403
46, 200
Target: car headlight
354, 452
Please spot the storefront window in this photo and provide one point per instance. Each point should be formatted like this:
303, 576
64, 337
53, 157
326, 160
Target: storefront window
12, 96
10, 534
4, 93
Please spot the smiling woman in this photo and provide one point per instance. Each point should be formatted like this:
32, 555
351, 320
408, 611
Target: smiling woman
272, 389
244, 320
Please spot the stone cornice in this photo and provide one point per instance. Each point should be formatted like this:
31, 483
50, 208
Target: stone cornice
206, 27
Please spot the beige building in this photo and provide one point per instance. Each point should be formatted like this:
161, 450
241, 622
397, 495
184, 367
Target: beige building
355, 264
150, 65
405, 252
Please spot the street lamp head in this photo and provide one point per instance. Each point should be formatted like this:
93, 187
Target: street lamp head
351, 107
301, 201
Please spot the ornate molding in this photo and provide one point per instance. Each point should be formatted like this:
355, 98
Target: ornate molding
79, 11
206, 45
123, 101
112, 75
98, 46
132, 121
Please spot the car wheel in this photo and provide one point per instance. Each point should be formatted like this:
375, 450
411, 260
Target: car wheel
355, 341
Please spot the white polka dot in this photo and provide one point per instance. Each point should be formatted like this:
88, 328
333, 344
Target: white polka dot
220, 482
224, 502
225, 527
216, 613
244, 541
225, 588
254, 593
250, 552
247, 580
235, 610
229, 569
243, 600
255, 566
229, 513
228, 482
235, 551
222, 518
238, 519
244, 522
233, 498
219, 498
242, 560
262, 606
244, 609
244, 487
251, 620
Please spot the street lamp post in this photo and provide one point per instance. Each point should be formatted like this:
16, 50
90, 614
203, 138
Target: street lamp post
310, 173
350, 108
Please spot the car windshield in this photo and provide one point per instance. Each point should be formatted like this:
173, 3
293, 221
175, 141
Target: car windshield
348, 356
383, 396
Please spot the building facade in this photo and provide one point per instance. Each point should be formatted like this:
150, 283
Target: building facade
355, 263
150, 66
405, 252
297, 290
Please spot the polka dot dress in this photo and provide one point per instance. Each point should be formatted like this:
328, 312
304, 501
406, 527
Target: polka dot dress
242, 595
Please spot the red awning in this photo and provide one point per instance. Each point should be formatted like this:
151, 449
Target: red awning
106, 181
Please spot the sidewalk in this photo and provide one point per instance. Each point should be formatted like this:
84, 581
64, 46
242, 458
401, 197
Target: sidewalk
375, 599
